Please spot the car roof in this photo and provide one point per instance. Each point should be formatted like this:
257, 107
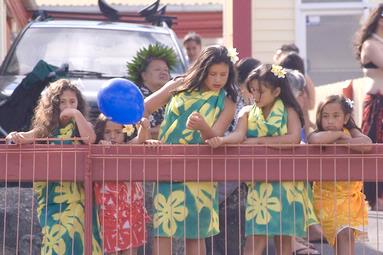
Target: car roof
99, 25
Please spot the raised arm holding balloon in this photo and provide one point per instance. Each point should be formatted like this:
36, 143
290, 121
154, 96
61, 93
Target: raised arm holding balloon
149, 69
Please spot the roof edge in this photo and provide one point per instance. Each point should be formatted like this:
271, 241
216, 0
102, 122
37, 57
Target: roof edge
131, 8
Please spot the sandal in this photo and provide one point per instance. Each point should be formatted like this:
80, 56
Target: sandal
304, 242
306, 251
324, 241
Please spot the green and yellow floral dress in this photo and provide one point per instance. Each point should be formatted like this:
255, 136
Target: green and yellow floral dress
276, 208
61, 212
187, 210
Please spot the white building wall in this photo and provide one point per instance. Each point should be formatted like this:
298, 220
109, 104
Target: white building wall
273, 24
3, 30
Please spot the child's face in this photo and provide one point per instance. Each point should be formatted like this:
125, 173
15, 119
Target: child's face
263, 95
333, 117
113, 132
68, 99
217, 76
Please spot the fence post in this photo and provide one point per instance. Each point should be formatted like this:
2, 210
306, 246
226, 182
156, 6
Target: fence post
88, 186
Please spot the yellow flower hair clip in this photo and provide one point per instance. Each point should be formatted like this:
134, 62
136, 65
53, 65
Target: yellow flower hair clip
128, 130
278, 71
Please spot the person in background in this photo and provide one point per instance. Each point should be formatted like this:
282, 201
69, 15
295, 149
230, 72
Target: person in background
369, 51
340, 205
297, 83
149, 70
193, 45
291, 60
122, 213
284, 49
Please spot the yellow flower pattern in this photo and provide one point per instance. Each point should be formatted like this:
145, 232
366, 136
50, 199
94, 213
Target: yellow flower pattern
275, 206
67, 131
204, 194
61, 213
200, 201
39, 188
71, 219
52, 240
69, 192
259, 204
169, 211
293, 191
183, 103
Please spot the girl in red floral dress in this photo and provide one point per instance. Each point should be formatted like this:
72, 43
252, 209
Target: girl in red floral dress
121, 204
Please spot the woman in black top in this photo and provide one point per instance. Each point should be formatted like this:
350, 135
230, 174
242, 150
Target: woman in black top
369, 49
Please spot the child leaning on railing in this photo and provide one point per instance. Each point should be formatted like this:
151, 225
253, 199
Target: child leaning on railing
340, 206
275, 118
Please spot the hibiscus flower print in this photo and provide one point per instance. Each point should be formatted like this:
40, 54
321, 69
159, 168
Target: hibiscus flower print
169, 211
260, 203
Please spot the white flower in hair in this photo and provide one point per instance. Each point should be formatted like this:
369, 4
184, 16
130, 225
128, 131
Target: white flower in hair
349, 102
278, 71
232, 54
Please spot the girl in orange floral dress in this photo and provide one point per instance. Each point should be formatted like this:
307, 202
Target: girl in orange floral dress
121, 204
341, 206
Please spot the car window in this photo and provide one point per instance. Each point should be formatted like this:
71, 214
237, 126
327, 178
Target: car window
86, 49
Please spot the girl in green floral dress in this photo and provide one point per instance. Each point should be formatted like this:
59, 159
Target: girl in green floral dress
200, 105
273, 209
60, 114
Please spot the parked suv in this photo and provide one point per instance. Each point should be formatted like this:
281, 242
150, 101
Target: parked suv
94, 50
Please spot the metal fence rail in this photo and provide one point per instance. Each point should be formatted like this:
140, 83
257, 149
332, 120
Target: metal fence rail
180, 163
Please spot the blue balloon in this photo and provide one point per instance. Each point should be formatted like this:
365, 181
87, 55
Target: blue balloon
121, 101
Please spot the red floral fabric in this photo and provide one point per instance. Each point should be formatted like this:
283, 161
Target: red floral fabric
122, 215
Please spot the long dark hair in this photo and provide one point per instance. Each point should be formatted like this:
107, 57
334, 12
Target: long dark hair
368, 28
346, 106
266, 77
195, 77
244, 67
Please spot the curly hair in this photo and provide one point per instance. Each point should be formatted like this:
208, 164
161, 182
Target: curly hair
368, 28
47, 111
195, 77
